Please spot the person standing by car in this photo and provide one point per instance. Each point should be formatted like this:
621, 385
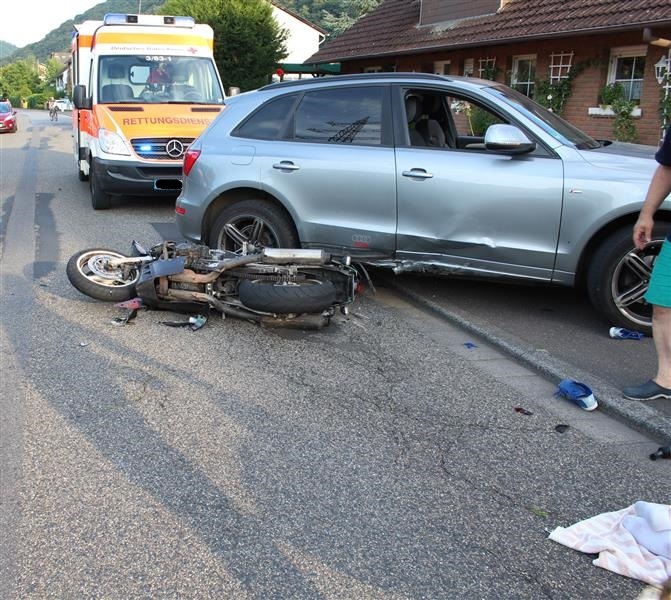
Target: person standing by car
659, 289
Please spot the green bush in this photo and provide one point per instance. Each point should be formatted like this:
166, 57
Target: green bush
480, 120
624, 129
37, 100
611, 93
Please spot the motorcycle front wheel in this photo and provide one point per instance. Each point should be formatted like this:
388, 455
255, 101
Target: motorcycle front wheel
91, 273
308, 296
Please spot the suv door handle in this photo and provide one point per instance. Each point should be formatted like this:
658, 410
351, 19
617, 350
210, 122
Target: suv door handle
417, 173
286, 165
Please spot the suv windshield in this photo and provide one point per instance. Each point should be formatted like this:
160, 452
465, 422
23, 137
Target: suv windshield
160, 79
554, 125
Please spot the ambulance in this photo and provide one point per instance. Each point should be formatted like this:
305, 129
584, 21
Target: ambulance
144, 87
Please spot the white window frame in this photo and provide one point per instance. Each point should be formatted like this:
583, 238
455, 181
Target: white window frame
560, 65
625, 52
529, 83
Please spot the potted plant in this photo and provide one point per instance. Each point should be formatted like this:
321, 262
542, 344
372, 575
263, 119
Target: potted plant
611, 93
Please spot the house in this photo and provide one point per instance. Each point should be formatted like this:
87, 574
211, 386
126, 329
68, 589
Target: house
304, 37
536, 46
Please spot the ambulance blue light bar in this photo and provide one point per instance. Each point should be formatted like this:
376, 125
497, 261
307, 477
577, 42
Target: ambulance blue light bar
122, 19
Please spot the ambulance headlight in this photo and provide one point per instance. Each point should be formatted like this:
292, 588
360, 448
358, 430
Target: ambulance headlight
112, 143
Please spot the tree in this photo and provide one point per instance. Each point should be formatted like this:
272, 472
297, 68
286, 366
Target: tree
347, 15
20, 79
333, 15
248, 42
53, 70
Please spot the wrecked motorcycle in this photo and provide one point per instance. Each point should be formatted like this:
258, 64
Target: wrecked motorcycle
272, 286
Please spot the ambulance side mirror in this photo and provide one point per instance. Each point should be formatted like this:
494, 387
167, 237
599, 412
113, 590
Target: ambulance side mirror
79, 97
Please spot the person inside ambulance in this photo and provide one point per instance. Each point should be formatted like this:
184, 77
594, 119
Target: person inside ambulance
160, 76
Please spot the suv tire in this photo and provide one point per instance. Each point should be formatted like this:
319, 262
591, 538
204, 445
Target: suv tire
255, 221
618, 270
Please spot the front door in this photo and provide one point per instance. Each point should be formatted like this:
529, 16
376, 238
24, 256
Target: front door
467, 209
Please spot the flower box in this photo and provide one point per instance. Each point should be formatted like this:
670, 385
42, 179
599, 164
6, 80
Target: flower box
607, 111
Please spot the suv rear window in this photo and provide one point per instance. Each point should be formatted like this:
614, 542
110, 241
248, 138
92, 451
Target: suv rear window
269, 121
341, 116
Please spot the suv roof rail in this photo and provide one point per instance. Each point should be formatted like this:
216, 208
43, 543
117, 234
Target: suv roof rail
357, 77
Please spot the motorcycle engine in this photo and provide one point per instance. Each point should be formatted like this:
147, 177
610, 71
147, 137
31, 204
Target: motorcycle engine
192, 252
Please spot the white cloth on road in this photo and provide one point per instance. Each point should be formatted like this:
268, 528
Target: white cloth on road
634, 541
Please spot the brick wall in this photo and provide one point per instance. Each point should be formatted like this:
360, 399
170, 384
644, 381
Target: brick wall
592, 52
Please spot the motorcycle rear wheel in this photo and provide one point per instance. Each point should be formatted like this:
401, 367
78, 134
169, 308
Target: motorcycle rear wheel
308, 296
90, 273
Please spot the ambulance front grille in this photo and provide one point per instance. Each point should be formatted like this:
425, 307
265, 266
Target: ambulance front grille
161, 148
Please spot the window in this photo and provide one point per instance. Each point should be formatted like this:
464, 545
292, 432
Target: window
446, 120
341, 116
468, 67
560, 65
627, 66
269, 121
524, 74
441, 67
471, 120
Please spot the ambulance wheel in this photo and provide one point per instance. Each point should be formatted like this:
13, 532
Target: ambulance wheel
99, 199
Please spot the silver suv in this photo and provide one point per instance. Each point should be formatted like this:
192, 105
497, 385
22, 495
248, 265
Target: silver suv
426, 173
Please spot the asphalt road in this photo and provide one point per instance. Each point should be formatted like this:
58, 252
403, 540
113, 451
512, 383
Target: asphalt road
379, 458
559, 321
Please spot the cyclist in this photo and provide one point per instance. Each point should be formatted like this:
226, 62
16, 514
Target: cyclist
53, 109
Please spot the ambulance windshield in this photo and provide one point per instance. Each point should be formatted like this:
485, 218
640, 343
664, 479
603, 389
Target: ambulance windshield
160, 79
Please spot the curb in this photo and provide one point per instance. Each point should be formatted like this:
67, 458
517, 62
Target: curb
636, 415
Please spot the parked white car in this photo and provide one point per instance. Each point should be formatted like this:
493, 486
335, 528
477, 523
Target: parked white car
63, 104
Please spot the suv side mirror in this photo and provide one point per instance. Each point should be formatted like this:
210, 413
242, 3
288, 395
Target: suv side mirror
79, 98
507, 139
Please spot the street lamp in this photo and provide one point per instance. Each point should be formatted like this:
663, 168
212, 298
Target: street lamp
662, 68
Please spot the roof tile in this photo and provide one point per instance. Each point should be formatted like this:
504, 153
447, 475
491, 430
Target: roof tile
392, 28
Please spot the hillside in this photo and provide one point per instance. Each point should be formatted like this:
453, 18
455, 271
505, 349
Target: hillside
6, 49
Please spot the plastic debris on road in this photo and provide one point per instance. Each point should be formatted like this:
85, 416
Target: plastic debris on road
619, 333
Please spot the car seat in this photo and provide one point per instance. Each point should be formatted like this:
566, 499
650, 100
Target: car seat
180, 88
413, 113
116, 92
429, 128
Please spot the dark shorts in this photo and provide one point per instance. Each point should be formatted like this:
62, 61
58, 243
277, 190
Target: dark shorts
659, 290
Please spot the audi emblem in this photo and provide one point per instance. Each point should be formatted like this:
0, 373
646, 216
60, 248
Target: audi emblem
174, 149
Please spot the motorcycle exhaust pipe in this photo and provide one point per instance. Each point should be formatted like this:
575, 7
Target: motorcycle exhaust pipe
304, 256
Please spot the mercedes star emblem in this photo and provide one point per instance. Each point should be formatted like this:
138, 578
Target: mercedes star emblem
174, 148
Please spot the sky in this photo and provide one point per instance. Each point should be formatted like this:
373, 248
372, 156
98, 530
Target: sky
24, 24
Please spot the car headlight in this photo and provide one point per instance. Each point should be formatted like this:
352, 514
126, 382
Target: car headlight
112, 143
